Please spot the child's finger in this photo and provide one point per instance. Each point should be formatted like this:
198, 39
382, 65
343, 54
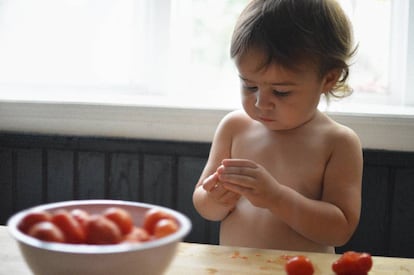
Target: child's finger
238, 163
210, 182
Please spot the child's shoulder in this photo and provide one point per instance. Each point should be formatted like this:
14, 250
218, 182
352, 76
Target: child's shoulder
239, 119
235, 121
341, 132
236, 115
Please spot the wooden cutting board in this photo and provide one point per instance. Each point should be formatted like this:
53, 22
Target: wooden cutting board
213, 259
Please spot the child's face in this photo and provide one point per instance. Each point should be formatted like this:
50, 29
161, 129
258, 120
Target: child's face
280, 98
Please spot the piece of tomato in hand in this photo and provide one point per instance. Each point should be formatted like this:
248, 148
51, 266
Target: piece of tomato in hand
151, 218
137, 235
299, 265
101, 230
353, 263
165, 227
32, 218
121, 218
46, 231
71, 228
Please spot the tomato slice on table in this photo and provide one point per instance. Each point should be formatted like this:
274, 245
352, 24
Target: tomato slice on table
353, 263
299, 265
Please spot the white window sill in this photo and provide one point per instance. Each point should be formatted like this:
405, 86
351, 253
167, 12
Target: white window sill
379, 127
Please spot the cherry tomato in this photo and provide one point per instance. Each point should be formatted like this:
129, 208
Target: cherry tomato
353, 263
121, 218
165, 227
365, 262
32, 218
81, 216
137, 235
101, 230
299, 265
151, 218
47, 231
71, 228
111, 226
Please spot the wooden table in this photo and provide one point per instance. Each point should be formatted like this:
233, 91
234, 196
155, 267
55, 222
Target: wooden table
212, 259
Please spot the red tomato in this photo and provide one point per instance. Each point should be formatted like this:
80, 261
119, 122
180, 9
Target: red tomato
81, 216
365, 262
151, 218
353, 263
112, 226
47, 231
71, 228
121, 218
299, 265
101, 230
165, 227
32, 218
137, 235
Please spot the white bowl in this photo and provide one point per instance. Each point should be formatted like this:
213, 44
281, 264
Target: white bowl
152, 257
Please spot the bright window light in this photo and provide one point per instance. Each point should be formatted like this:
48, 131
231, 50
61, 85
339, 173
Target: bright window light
138, 50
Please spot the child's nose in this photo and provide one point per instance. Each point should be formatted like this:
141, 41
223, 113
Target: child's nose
264, 100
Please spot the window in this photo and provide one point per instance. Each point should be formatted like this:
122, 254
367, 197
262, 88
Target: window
173, 51
377, 73
100, 47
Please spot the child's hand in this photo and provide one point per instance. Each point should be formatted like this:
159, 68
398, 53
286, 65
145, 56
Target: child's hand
250, 180
210, 182
218, 193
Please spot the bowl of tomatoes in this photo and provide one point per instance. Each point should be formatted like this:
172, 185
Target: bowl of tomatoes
98, 237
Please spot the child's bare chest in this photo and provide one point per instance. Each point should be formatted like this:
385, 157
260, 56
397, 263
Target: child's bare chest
298, 163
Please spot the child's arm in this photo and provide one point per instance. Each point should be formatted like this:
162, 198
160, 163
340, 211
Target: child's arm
210, 199
330, 220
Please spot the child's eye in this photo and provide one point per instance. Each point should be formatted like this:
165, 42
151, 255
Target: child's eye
281, 93
250, 88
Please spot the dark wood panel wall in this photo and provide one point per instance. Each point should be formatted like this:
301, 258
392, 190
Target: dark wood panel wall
36, 169
387, 218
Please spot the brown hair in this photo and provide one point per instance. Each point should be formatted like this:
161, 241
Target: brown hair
292, 31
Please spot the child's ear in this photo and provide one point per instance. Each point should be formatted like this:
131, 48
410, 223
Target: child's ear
330, 79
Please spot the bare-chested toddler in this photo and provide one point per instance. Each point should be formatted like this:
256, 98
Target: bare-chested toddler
281, 174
